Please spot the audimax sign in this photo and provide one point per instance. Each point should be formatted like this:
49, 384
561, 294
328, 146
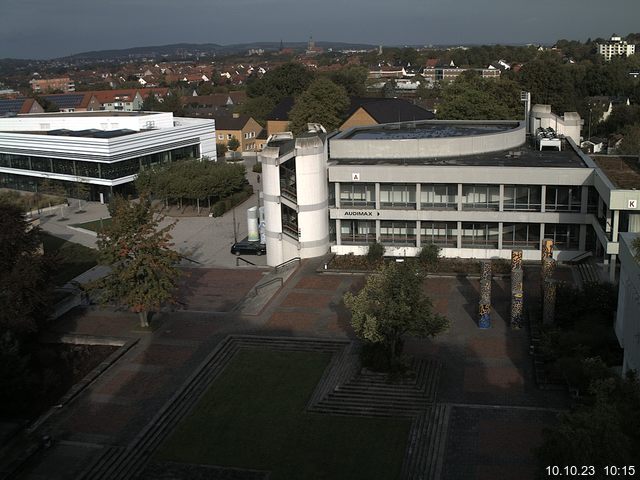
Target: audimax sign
361, 213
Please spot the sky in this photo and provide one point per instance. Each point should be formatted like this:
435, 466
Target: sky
52, 28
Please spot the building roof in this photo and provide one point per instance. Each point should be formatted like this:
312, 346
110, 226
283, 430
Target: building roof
282, 109
13, 106
228, 122
624, 172
389, 110
69, 100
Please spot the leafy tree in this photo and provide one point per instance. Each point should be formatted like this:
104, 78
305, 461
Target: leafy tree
221, 149
471, 97
549, 82
429, 255
25, 292
233, 144
151, 103
375, 253
636, 247
285, 81
353, 79
258, 108
323, 102
144, 271
631, 142
393, 304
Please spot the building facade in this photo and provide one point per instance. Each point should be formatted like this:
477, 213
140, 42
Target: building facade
105, 150
616, 47
476, 189
627, 324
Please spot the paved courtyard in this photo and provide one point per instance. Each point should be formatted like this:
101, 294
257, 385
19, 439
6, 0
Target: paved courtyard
497, 413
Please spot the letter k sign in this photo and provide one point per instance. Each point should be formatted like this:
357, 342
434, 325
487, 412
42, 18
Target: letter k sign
632, 204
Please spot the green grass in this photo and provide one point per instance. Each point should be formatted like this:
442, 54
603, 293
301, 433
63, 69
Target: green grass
73, 258
253, 416
95, 225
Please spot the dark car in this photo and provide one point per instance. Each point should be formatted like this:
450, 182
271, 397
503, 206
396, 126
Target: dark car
248, 248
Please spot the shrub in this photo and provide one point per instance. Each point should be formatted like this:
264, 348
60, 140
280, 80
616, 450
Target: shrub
429, 255
375, 254
257, 167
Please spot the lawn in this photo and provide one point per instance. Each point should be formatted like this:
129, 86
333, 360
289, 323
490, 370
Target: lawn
95, 225
253, 416
73, 259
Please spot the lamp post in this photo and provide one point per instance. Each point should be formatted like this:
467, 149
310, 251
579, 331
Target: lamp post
590, 110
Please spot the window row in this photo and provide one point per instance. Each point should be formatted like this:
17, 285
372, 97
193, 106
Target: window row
474, 197
445, 234
79, 168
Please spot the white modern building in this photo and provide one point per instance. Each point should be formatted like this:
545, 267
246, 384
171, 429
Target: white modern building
477, 189
102, 149
627, 324
615, 47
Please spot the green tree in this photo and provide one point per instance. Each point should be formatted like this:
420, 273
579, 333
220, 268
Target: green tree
285, 81
233, 144
375, 253
429, 255
393, 304
323, 102
470, 97
631, 142
144, 272
550, 82
258, 108
353, 79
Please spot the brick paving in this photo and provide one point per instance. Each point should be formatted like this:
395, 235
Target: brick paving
479, 367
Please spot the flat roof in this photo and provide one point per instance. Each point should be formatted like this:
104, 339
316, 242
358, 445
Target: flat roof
623, 172
525, 155
403, 131
99, 113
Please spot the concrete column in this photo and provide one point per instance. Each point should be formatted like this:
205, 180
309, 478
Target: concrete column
501, 200
377, 230
459, 241
377, 196
584, 199
543, 199
418, 193
608, 222
612, 268
541, 236
459, 197
582, 238
616, 224
418, 236
338, 232
500, 224
337, 194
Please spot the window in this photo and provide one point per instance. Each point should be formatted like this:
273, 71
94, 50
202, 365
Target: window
480, 197
439, 196
357, 232
521, 235
565, 236
522, 198
398, 233
220, 137
398, 196
563, 199
443, 234
480, 235
360, 195
229, 136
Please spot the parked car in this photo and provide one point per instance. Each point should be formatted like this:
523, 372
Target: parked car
248, 248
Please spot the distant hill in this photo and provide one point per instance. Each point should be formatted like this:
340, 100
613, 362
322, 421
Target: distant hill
194, 49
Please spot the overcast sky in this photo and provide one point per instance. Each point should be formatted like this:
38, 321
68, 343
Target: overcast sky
53, 28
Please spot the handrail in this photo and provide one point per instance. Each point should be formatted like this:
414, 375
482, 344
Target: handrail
285, 264
262, 285
245, 261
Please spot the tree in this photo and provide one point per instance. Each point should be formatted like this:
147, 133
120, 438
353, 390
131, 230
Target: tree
25, 290
323, 102
144, 271
631, 140
636, 247
258, 108
353, 79
233, 144
285, 81
393, 304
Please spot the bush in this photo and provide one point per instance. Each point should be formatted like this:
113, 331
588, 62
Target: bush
428, 256
257, 167
375, 254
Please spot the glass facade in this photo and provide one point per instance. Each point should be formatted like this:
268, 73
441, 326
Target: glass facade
357, 232
398, 232
563, 199
565, 236
439, 196
443, 234
480, 197
104, 170
362, 195
527, 198
521, 235
398, 195
480, 235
